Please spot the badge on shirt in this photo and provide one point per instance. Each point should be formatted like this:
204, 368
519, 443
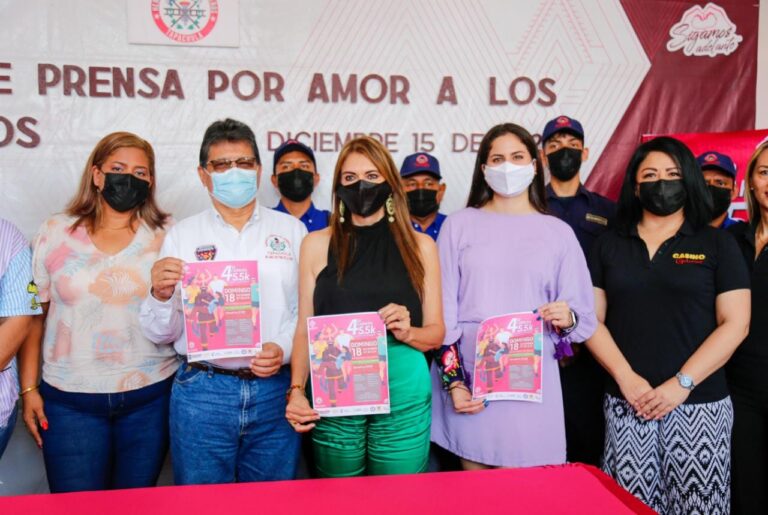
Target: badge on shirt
278, 247
205, 252
34, 302
597, 219
688, 258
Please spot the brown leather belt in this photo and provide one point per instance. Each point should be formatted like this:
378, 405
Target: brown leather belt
242, 373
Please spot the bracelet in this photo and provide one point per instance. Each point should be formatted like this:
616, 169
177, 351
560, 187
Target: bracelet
574, 324
27, 390
458, 384
292, 388
448, 360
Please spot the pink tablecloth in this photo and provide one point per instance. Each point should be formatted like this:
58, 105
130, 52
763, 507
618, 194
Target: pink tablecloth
571, 489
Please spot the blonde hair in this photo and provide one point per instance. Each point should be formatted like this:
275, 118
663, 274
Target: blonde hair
342, 243
753, 208
85, 206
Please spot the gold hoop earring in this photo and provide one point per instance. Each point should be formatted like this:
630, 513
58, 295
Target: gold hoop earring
390, 208
341, 211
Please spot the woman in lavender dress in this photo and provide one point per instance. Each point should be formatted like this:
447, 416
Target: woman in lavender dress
502, 255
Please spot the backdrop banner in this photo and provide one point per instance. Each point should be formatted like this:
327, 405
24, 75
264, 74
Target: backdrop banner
738, 145
429, 76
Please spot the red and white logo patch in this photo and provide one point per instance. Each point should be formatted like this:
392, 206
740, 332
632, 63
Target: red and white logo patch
563, 120
422, 160
710, 158
185, 21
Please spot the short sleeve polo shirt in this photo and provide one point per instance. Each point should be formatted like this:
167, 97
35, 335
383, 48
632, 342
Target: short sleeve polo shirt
434, 228
313, 219
661, 310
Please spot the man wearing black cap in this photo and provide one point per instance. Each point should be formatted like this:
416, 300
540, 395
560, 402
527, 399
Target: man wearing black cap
295, 176
420, 174
720, 175
589, 215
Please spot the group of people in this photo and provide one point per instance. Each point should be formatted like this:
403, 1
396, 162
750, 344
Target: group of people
657, 375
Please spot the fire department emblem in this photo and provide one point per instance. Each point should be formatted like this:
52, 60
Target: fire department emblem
185, 21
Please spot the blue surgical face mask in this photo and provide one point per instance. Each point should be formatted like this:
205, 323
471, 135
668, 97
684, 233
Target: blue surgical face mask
234, 188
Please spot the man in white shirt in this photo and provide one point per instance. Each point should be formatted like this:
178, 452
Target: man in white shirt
227, 416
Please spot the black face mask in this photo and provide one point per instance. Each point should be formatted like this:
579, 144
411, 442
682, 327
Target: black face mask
721, 200
662, 197
363, 197
564, 164
124, 191
422, 202
296, 185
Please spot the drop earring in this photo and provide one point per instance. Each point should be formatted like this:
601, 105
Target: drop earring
390, 208
341, 211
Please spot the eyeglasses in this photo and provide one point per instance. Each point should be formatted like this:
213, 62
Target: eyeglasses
224, 164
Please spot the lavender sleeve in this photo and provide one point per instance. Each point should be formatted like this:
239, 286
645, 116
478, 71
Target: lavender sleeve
448, 250
574, 285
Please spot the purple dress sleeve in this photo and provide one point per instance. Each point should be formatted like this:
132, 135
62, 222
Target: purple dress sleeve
447, 246
574, 285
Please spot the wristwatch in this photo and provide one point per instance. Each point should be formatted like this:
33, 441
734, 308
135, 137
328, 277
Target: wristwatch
685, 381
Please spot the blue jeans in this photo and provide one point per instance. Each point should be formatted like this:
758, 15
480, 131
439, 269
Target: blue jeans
7, 430
226, 429
101, 441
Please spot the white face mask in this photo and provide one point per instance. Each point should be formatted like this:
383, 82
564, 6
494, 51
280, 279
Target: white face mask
510, 180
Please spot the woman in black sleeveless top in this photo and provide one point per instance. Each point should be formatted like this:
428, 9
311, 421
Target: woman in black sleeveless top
371, 259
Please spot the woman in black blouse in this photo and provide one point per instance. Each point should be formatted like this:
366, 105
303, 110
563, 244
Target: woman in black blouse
371, 259
747, 372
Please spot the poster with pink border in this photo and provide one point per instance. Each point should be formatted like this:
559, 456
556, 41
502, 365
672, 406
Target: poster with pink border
348, 364
222, 315
508, 358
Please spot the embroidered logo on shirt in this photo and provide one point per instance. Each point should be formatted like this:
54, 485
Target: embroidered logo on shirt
684, 258
597, 219
205, 252
278, 247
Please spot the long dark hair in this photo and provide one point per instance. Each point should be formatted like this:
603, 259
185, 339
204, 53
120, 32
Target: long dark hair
480, 193
342, 235
698, 204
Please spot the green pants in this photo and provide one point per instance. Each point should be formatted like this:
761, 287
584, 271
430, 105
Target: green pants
395, 443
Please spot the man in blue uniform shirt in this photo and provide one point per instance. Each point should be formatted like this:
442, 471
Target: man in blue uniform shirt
295, 176
420, 175
563, 151
720, 174
589, 215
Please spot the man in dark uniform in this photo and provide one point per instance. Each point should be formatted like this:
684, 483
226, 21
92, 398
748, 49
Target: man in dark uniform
589, 215
720, 174
420, 175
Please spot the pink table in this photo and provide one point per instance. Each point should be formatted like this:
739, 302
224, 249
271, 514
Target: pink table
572, 489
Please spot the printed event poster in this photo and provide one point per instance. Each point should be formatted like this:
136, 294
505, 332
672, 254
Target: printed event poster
222, 318
508, 358
348, 364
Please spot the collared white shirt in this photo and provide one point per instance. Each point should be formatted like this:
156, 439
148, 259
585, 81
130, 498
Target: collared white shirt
269, 237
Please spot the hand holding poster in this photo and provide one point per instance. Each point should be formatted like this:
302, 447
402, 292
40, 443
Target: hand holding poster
508, 358
348, 364
221, 309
